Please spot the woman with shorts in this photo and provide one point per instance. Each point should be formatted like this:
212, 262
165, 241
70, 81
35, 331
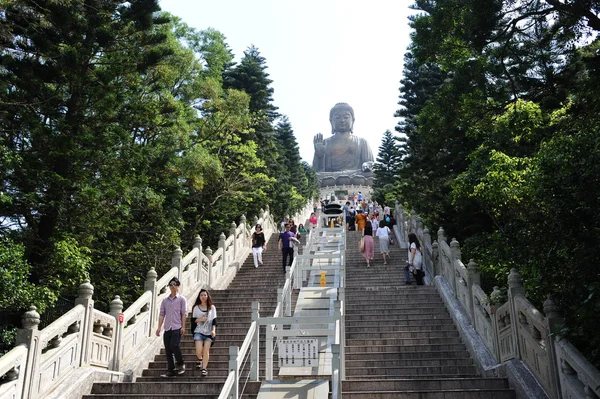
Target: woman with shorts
204, 316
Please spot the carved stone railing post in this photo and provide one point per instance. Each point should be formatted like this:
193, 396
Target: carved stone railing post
208, 253
456, 256
223, 252
254, 222
261, 214
244, 230
116, 308
176, 262
441, 234
555, 322
418, 223
473, 278
150, 285
497, 301
197, 244
232, 230
427, 261
436, 259
86, 291
515, 287
255, 349
29, 335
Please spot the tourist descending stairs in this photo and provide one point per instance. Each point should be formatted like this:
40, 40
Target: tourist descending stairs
234, 318
400, 340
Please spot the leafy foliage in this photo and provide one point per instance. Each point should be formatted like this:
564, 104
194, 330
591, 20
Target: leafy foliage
125, 133
500, 143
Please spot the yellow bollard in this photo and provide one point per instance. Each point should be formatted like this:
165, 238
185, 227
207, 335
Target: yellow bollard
323, 279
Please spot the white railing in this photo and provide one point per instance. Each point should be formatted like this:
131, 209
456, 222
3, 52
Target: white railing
510, 328
332, 241
85, 337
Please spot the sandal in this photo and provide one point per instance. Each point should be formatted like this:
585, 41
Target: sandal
204, 372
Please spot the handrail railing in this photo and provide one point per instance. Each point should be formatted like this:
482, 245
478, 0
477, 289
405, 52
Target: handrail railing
510, 328
282, 316
87, 337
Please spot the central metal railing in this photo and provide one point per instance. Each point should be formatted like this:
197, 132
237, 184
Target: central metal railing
324, 251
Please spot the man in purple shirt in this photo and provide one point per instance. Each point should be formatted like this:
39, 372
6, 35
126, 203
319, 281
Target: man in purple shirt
173, 313
286, 246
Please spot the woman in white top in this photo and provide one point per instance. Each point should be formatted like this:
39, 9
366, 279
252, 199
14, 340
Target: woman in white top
204, 316
415, 259
383, 233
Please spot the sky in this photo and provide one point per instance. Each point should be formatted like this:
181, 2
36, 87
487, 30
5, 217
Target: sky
318, 53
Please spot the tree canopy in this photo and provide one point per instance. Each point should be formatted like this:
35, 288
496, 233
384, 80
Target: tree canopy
499, 131
124, 133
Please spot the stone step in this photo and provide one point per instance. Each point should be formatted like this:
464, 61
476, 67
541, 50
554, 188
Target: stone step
403, 348
433, 384
407, 371
430, 335
400, 341
163, 396
410, 314
166, 386
445, 394
421, 355
421, 362
404, 326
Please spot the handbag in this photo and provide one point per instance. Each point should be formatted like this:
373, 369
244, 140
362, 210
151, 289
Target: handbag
361, 244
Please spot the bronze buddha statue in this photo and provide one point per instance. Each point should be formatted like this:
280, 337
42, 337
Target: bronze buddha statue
343, 151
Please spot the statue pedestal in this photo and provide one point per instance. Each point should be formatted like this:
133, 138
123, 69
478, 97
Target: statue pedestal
345, 178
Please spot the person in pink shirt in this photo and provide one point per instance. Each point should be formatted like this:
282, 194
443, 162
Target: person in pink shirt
313, 220
173, 314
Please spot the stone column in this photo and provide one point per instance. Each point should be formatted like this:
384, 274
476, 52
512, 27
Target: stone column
418, 224
86, 291
244, 231
255, 348
29, 335
233, 366
208, 253
197, 244
425, 245
232, 231
515, 287
150, 285
116, 307
261, 214
456, 256
554, 323
176, 262
223, 251
473, 278
436, 259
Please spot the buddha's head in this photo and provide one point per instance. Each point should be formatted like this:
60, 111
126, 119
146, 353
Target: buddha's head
341, 118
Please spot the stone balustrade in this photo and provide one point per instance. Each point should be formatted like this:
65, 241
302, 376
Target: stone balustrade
509, 327
86, 338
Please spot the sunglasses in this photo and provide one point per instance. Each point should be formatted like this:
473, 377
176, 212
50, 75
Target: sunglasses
172, 284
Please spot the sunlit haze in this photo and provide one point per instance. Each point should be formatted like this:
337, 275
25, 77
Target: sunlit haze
318, 53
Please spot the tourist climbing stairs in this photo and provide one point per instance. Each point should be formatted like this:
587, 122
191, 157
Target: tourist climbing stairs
234, 318
400, 339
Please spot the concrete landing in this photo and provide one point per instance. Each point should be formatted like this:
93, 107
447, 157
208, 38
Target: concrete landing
301, 389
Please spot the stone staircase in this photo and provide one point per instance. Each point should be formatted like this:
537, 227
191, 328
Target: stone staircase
234, 318
400, 340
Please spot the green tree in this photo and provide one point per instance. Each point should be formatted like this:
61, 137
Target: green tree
386, 168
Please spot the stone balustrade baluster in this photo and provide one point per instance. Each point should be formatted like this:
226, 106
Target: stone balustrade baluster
223, 247
456, 256
473, 278
150, 285
86, 291
116, 308
208, 253
554, 322
515, 287
176, 262
436, 259
29, 335
236, 250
